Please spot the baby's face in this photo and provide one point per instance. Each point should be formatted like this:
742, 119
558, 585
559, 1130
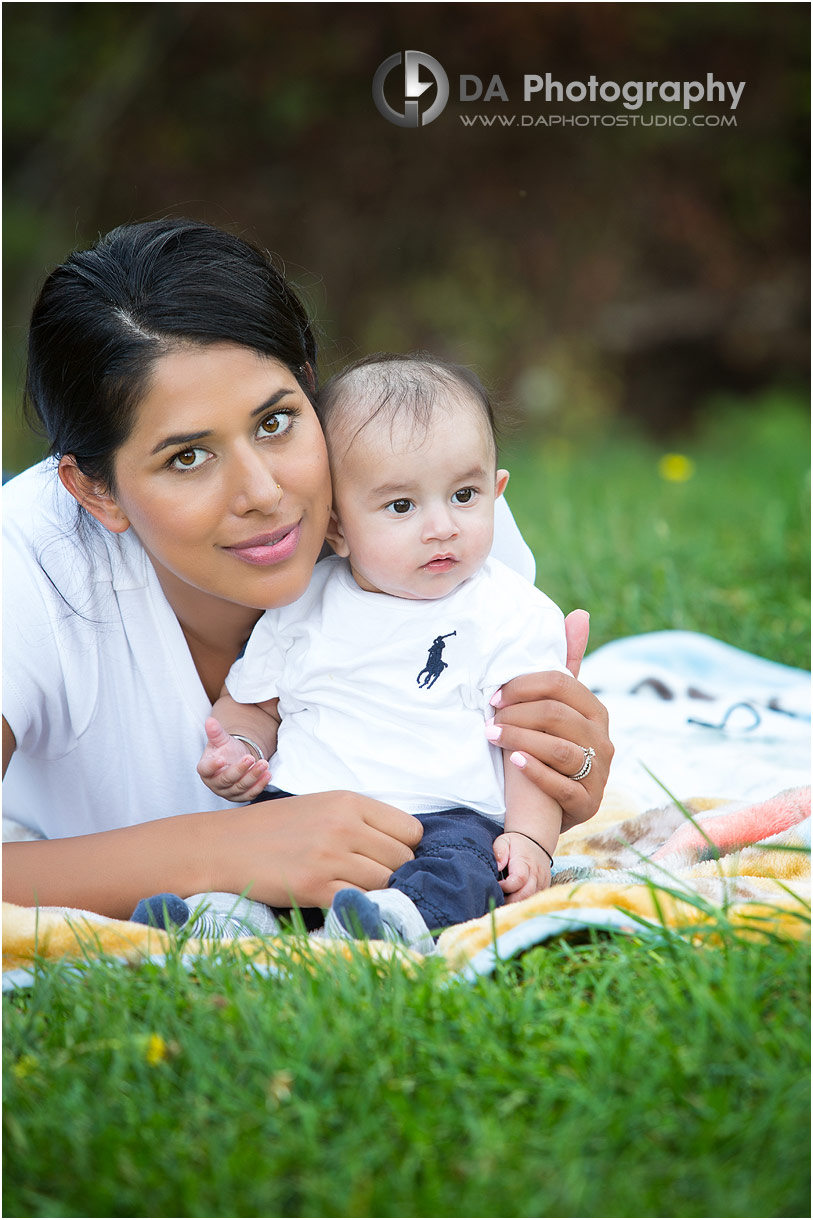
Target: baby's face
416, 509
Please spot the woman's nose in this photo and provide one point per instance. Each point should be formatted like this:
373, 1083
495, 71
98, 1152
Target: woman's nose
253, 485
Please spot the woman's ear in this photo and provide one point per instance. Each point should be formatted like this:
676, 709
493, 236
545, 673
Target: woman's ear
90, 493
502, 482
310, 376
335, 536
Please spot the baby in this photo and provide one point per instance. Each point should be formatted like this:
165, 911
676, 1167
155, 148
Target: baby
378, 679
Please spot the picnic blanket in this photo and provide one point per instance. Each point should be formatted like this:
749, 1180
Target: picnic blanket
685, 867
725, 733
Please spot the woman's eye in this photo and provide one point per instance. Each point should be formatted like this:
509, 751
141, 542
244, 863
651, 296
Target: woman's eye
189, 459
400, 507
465, 495
276, 423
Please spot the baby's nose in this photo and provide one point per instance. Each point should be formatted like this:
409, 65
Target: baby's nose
440, 523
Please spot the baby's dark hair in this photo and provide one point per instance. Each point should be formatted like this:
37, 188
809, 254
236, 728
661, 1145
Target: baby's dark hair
389, 385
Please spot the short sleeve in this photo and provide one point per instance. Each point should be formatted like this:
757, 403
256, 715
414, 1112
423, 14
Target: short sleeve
254, 677
524, 634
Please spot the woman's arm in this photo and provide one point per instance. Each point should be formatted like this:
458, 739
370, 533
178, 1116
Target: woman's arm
301, 850
550, 719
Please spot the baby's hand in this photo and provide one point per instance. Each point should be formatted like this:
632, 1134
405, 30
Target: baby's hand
228, 768
528, 866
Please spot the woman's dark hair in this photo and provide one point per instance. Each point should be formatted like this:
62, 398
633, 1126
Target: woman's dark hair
106, 314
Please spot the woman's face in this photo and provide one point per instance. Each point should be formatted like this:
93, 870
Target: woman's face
224, 477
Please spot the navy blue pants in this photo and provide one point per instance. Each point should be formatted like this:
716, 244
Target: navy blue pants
454, 874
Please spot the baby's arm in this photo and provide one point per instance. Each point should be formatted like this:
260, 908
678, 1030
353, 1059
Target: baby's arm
526, 634
228, 766
533, 821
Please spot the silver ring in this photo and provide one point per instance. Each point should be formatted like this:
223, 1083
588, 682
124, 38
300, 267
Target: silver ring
584, 769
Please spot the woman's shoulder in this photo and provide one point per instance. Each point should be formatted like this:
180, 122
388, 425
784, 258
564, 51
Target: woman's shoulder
33, 495
45, 531
36, 519
509, 545
38, 511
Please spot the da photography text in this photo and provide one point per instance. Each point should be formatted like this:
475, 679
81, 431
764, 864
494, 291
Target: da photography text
412, 89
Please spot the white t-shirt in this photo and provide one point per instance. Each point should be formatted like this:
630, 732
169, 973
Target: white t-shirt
103, 699
389, 697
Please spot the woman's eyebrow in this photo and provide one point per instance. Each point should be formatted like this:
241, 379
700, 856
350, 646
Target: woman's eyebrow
179, 439
271, 402
186, 438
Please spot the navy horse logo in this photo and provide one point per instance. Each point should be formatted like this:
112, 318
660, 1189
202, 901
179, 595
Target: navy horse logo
435, 665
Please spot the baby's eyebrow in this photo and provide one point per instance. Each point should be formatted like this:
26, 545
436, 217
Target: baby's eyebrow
476, 472
389, 489
404, 489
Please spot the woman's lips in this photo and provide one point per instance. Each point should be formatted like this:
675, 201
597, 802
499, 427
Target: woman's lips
266, 549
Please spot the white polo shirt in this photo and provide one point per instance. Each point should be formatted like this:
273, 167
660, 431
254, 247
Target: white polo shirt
388, 697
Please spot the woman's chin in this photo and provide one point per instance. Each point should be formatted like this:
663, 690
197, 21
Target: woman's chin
282, 592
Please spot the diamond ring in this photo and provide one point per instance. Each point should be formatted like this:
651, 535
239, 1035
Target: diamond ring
584, 769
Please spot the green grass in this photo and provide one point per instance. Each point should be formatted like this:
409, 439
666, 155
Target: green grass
610, 1078
617, 1078
726, 553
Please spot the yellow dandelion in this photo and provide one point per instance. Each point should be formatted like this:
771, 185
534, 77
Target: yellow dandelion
156, 1050
675, 467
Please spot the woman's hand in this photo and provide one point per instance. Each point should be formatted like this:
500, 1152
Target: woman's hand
298, 849
304, 849
547, 720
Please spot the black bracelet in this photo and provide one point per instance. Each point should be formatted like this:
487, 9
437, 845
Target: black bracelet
539, 845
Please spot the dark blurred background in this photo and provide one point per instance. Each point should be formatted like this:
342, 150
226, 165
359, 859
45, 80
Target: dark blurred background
589, 274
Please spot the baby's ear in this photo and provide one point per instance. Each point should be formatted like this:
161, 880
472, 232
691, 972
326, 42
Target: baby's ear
502, 482
335, 535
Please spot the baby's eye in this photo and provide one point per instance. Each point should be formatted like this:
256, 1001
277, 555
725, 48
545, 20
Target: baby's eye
399, 507
189, 459
276, 423
464, 495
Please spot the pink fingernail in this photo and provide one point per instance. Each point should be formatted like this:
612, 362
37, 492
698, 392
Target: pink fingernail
519, 760
493, 732
496, 699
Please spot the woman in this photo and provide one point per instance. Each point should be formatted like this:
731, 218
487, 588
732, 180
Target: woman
172, 370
